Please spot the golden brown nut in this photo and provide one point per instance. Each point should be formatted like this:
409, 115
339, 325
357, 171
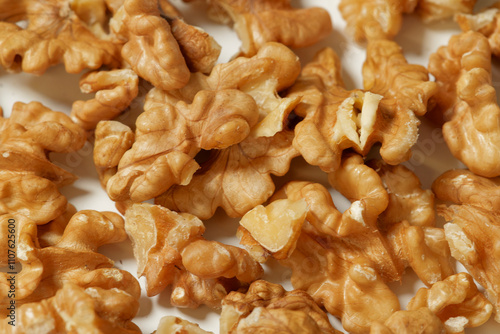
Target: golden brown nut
374, 19
407, 200
456, 301
432, 10
49, 234
174, 325
200, 50
273, 229
114, 91
112, 140
170, 249
150, 48
472, 233
55, 33
406, 90
464, 187
467, 101
424, 249
265, 305
77, 309
419, 321
342, 281
168, 137
237, 178
260, 21
73, 259
33, 131
484, 22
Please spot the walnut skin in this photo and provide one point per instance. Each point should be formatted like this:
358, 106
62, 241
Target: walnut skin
170, 250
431, 10
173, 325
467, 100
114, 89
456, 301
260, 21
31, 132
55, 34
150, 48
255, 309
419, 321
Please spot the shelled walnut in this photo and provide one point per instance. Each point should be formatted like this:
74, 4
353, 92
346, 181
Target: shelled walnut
170, 250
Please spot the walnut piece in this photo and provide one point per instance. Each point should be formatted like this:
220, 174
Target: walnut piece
174, 325
373, 19
150, 48
275, 227
419, 321
456, 301
260, 21
407, 200
434, 10
266, 307
170, 250
114, 91
54, 34
467, 100
31, 133
484, 22
78, 309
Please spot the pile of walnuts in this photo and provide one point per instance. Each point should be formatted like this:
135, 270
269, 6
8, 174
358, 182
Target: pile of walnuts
216, 135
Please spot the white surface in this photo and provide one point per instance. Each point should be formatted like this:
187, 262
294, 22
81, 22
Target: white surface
58, 90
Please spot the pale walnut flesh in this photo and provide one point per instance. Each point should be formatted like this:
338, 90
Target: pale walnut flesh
467, 102
150, 48
264, 301
260, 21
31, 133
372, 19
54, 34
167, 138
114, 91
276, 227
456, 301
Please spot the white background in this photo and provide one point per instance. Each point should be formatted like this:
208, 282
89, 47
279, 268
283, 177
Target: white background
58, 90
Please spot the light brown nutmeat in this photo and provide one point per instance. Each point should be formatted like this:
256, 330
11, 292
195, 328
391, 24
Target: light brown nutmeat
57, 32
466, 101
260, 21
431, 10
174, 325
150, 48
269, 307
456, 301
114, 91
419, 321
33, 131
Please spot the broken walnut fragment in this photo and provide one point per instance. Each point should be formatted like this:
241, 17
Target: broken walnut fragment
473, 226
54, 34
174, 325
150, 48
170, 250
419, 321
456, 301
467, 102
260, 21
114, 91
272, 229
268, 307
31, 133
